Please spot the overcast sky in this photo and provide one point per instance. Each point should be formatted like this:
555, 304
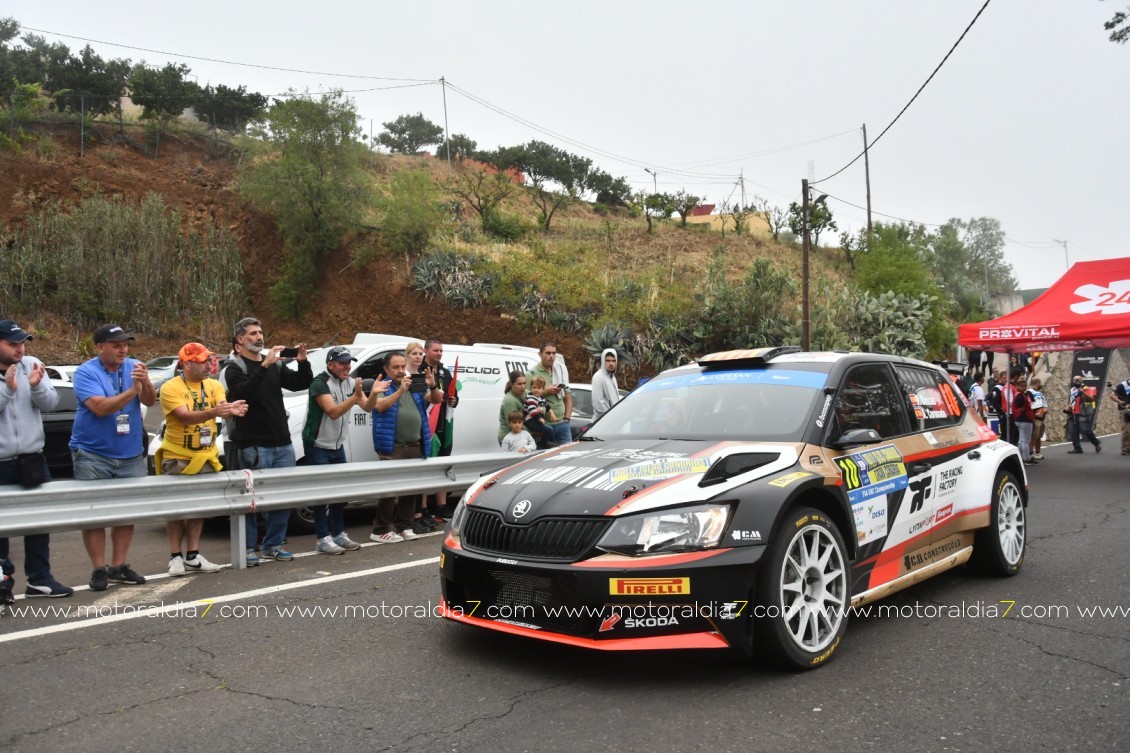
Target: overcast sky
1027, 122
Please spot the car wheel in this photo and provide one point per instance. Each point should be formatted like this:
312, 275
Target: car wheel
803, 591
999, 549
301, 521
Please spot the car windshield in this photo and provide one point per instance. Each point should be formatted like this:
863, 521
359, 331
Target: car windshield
769, 405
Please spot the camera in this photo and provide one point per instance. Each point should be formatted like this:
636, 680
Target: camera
288, 353
419, 383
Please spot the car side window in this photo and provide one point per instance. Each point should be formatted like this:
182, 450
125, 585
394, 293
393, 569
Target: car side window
931, 400
372, 367
868, 399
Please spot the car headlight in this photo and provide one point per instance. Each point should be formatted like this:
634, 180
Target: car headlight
455, 527
679, 530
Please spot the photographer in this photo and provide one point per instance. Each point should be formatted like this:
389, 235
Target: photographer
1080, 417
1120, 394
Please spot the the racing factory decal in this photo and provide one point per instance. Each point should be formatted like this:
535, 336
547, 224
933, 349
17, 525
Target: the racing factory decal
872, 473
659, 469
870, 520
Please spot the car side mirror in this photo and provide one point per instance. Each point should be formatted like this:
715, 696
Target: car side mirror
857, 437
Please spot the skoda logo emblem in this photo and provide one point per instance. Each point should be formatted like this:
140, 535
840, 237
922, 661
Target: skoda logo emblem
521, 508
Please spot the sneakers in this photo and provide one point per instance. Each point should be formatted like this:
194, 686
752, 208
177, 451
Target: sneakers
6, 596
443, 512
252, 558
408, 534
429, 520
326, 545
1038, 456
276, 553
51, 589
200, 564
124, 574
1098, 448
387, 538
346, 543
176, 566
1031, 461
100, 579
419, 525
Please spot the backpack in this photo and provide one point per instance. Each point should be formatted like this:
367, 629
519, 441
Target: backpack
995, 400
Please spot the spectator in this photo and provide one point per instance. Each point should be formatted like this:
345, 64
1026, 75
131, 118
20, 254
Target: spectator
1022, 417
262, 436
518, 440
332, 394
433, 355
1121, 396
1080, 417
191, 402
538, 413
605, 391
1039, 413
977, 394
557, 394
109, 441
513, 400
414, 355
25, 392
400, 431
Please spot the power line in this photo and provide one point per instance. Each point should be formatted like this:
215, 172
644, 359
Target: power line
229, 62
881, 214
908, 104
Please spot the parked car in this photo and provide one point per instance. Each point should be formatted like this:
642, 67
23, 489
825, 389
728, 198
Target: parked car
161, 369
57, 425
63, 373
745, 502
582, 407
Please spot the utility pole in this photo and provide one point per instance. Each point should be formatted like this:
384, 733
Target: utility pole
654, 179
446, 133
805, 322
741, 179
1066, 259
867, 177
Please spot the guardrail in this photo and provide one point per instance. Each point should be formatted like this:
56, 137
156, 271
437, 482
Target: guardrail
72, 505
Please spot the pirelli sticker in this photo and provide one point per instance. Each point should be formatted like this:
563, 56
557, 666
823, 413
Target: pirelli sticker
873, 472
783, 481
649, 586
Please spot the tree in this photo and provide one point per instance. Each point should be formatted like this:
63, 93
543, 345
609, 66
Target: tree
983, 238
683, 203
227, 108
555, 176
408, 134
89, 84
819, 220
461, 147
481, 188
410, 212
776, 218
307, 167
612, 192
1119, 26
162, 93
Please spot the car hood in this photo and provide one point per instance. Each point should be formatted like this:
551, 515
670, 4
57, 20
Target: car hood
610, 478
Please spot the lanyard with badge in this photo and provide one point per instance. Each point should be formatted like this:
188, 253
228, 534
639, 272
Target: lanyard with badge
204, 431
122, 418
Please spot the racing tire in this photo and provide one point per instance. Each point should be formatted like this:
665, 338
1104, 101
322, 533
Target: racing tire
803, 590
999, 549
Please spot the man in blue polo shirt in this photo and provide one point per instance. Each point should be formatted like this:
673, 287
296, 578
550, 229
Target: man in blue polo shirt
108, 439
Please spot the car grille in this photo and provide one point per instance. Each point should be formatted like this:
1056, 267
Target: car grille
549, 539
548, 600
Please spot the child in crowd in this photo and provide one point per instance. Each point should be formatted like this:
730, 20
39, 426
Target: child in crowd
536, 407
518, 440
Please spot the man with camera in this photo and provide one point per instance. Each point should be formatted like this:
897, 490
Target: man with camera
1081, 417
262, 435
25, 392
401, 432
1120, 394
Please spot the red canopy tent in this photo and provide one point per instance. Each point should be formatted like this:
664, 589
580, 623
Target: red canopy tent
1089, 307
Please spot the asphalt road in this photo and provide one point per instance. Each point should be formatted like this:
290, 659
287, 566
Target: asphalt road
952, 672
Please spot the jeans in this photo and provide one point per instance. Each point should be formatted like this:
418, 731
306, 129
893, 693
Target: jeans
1079, 427
256, 458
1024, 432
329, 520
559, 433
89, 466
37, 554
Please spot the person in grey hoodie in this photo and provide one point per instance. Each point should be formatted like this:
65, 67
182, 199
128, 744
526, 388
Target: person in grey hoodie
25, 391
605, 391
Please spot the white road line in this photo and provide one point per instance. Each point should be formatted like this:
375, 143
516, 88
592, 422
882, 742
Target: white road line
172, 608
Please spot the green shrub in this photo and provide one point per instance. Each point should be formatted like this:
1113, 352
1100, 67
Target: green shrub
507, 227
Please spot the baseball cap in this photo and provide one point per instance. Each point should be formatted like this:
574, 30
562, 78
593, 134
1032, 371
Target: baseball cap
338, 353
111, 333
194, 352
12, 332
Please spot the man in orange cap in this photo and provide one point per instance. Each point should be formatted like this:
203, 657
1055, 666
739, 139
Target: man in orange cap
191, 402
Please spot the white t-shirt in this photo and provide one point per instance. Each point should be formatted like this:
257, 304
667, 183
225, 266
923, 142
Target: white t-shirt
977, 397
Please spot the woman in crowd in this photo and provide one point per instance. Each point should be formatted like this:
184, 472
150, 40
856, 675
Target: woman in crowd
513, 399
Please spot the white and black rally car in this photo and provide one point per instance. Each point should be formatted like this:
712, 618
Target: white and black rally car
745, 502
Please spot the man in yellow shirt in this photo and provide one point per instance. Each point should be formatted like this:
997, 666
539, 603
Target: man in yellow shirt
191, 402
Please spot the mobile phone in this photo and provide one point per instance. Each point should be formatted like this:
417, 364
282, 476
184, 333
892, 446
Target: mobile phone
288, 353
419, 383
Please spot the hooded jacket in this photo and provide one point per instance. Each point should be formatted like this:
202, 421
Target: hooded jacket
21, 420
605, 391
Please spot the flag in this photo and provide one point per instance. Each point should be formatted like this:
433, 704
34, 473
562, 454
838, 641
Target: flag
441, 412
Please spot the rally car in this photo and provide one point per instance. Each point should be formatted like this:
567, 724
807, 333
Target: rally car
744, 502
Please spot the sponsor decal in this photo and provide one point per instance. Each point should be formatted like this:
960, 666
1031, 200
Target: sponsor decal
930, 437
824, 656
649, 586
1113, 298
504, 561
649, 622
815, 460
947, 481
871, 473
638, 455
746, 535
824, 411
870, 520
918, 559
731, 610
1020, 333
609, 622
784, 481
520, 624
657, 469
943, 514
521, 508
920, 490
